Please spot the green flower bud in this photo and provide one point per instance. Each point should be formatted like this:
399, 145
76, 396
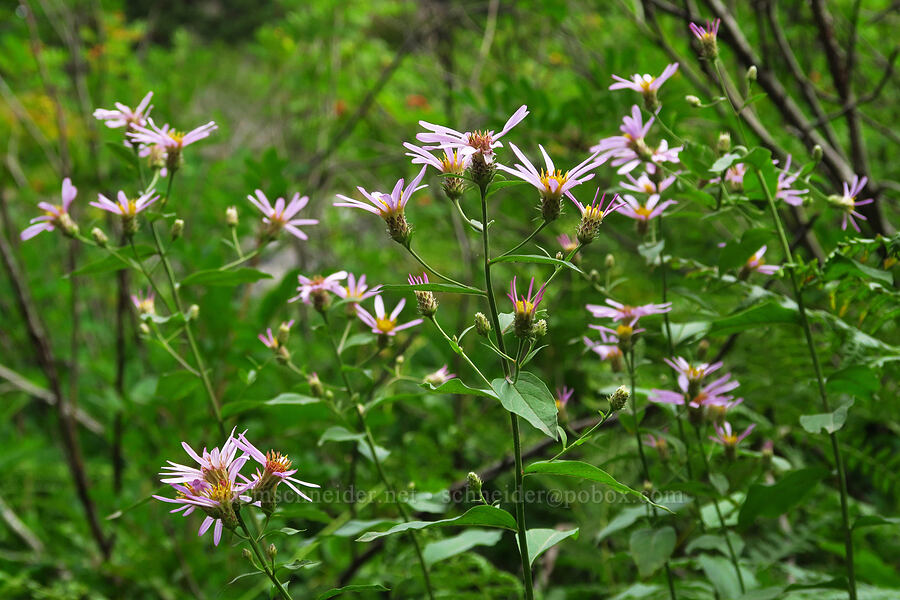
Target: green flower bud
99, 237
618, 398
482, 325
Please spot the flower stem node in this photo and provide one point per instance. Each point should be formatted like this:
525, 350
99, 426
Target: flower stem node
99, 237
177, 229
482, 325
619, 398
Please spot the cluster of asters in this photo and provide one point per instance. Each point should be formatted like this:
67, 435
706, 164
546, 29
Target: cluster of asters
617, 342
216, 486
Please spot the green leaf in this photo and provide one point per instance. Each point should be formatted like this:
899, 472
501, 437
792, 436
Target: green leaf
857, 380
450, 288
229, 278
496, 185
541, 540
336, 433
773, 500
723, 162
839, 265
735, 253
243, 575
355, 527
363, 448
697, 158
357, 587
651, 548
478, 516
830, 422
623, 520
759, 157
176, 385
111, 263
583, 470
234, 408
536, 259
127, 156
874, 520
455, 386
652, 251
530, 399
766, 313
297, 564
465, 541
358, 339
720, 572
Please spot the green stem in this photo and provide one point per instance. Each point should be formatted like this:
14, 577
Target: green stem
514, 420
140, 263
437, 274
244, 258
237, 243
526, 240
270, 572
462, 353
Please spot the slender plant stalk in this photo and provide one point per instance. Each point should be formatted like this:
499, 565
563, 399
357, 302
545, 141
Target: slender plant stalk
513, 418
270, 571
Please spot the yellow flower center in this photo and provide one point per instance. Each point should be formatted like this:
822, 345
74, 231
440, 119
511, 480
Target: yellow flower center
643, 212
624, 331
649, 188
177, 136
524, 307
593, 213
385, 325
558, 176
452, 166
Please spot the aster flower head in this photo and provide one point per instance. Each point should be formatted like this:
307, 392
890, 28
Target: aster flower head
524, 307
281, 215
628, 150
625, 313
592, 215
607, 348
729, 439
645, 185
172, 140
551, 183
55, 215
715, 393
647, 85
144, 302
563, 395
426, 303
453, 162
707, 36
316, 290
691, 376
847, 202
566, 243
644, 212
786, 180
276, 341
439, 377
356, 290
124, 116
155, 154
659, 444
276, 469
126, 208
382, 323
389, 207
758, 264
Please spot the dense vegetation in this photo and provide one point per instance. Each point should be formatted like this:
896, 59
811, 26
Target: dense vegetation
689, 393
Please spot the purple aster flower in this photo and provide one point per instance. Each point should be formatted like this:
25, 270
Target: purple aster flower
388, 206
123, 116
356, 290
563, 395
712, 394
439, 377
592, 215
551, 182
710, 31
848, 202
691, 376
728, 438
312, 287
144, 302
453, 161
644, 83
281, 216
171, 140
469, 143
628, 314
566, 243
271, 340
524, 307
645, 185
757, 263
127, 209
276, 469
54, 215
607, 348
382, 323
629, 149
658, 443
644, 212
785, 182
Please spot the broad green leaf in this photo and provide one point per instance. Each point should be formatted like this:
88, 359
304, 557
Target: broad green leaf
717, 542
720, 572
830, 422
758, 157
725, 161
478, 516
496, 186
228, 278
358, 587
124, 154
697, 158
736, 253
839, 265
176, 385
541, 540
583, 470
449, 288
465, 541
652, 251
858, 381
234, 408
456, 386
358, 339
530, 399
336, 433
770, 501
363, 448
537, 259
110, 263
625, 519
651, 548
355, 527
874, 520
767, 313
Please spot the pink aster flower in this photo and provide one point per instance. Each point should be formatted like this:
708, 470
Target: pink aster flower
625, 313
310, 287
469, 143
644, 83
629, 149
382, 323
144, 302
592, 214
661, 154
711, 30
690, 375
566, 243
388, 206
55, 215
453, 161
563, 395
551, 182
281, 215
645, 185
848, 202
171, 140
757, 263
356, 290
607, 348
127, 209
214, 465
439, 377
270, 340
276, 469
644, 212
712, 394
526, 303
123, 116
728, 438
786, 181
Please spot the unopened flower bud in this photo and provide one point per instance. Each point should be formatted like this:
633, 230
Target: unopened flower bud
271, 551
751, 73
193, 312
329, 395
231, 216
68, 226
398, 228
482, 325
316, 389
247, 554
539, 329
618, 398
474, 482
560, 256
648, 488
284, 332
426, 304
145, 329
693, 101
99, 237
177, 229
662, 448
817, 153
610, 261
723, 145
400, 360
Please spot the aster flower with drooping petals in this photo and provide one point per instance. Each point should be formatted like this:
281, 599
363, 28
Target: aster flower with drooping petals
734, 177
55, 215
389, 206
276, 469
551, 183
647, 85
382, 323
628, 314
127, 209
592, 215
690, 376
757, 263
281, 215
848, 202
729, 439
315, 290
477, 144
356, 290
629, 149
566, 243
452, 163
172, 140
709, 48
644, 212
144, 302
276, 342
645, 185
607, 349
524, 307
786, 181
124, 116
563, 395
439, 377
